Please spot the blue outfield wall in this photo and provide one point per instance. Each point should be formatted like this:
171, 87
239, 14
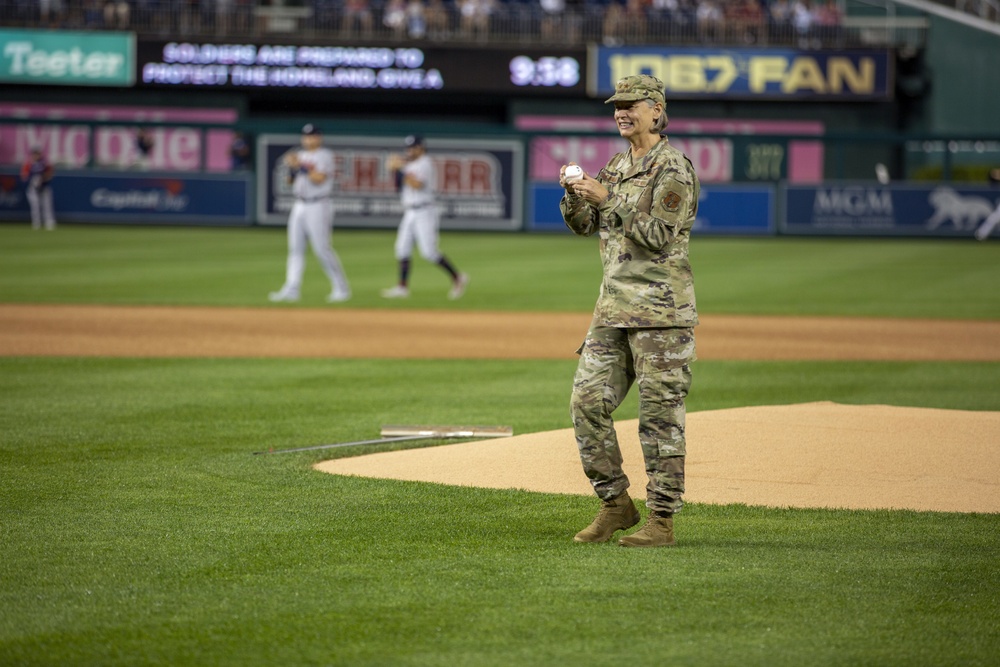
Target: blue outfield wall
828, 209
139, 198
722, 209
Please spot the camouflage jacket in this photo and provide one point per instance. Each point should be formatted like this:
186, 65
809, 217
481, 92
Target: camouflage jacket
644, 226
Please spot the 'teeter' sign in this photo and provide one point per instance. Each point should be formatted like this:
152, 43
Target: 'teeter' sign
67, 58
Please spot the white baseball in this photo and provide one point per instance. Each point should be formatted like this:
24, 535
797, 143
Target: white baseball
573, 173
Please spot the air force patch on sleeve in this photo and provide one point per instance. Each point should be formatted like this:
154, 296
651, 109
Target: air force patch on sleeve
672, 201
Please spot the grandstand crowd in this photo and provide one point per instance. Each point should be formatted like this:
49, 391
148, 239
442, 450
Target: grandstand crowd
804, 23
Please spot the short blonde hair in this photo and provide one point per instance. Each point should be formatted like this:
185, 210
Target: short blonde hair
661, 123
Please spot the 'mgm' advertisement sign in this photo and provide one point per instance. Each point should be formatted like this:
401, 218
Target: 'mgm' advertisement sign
864, 209
774, 74
65, 58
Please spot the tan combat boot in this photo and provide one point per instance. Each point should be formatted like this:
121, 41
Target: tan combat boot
616, 514
658, 532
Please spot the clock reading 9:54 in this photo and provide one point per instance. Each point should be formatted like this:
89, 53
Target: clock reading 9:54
546, 71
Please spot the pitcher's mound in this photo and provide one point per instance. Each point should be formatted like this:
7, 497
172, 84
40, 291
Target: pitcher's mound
808, 455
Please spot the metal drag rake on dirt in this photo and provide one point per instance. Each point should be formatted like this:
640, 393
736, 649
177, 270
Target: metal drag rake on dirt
400, 433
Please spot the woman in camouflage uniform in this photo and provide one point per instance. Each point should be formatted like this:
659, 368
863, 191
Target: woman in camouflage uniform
642, 204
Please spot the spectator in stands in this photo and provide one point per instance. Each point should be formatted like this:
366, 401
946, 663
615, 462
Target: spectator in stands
188, 16
669, 11
662, 8
116, 14
438, 19
206, 15
561, 21
357, 14
416, 19
802, 20
50, 12
394, 17
551, 25
143, 14
72, 18
326, 14
710, 21
635, 21
828, 18
573, 20
242, 16
780, 20
613, 24
828, 13
93, 15
475, 18
673, 16
745, 20
223, 12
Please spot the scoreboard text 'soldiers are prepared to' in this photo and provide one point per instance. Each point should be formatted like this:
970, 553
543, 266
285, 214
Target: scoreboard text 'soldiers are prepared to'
545, 72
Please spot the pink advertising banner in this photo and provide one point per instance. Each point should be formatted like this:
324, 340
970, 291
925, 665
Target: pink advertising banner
712, 157
23, 126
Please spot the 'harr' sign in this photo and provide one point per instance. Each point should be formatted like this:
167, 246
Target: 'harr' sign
479, 181
365, 171
770, 73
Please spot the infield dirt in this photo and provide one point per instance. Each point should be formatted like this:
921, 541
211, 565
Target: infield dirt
813, 455
152, 331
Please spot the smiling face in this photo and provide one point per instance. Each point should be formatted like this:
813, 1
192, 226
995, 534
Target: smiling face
636, 119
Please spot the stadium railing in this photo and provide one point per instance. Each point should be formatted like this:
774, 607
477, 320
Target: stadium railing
515, 22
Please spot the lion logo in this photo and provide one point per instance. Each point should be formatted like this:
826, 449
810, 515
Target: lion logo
963, 212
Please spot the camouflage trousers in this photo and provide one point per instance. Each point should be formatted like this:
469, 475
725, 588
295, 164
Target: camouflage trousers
611, 361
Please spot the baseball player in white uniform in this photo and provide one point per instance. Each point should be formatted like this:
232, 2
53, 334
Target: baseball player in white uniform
310, 171
416, 178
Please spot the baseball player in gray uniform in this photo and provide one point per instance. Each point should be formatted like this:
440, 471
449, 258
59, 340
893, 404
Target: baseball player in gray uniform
310, 171
416, 178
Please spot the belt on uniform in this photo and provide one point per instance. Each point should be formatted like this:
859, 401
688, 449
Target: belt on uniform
418, 206
309, 200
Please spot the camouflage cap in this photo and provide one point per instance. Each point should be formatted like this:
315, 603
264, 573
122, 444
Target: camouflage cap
638, 87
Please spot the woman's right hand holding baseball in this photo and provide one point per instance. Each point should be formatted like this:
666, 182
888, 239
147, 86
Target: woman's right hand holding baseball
569, 173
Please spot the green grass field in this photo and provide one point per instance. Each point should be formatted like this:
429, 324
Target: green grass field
138, 529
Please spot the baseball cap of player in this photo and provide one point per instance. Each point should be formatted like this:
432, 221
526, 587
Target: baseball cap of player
638, 87
309, 128
414, 140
